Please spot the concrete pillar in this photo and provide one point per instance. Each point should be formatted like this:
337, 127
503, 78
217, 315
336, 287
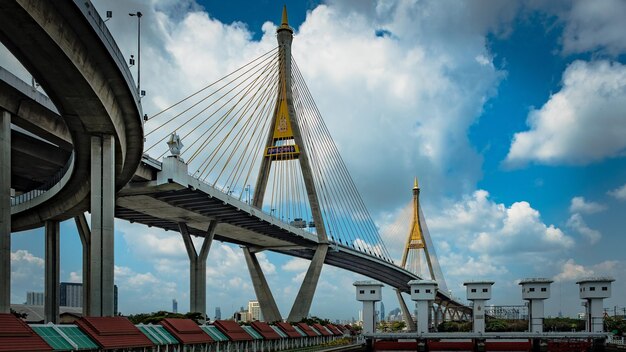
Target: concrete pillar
197, 267
535, 291
261, 288
5, 212
85, 238
594, 291
478, 292
304, 299
406, 314
368, 292
52, 272
101, 277
423, 292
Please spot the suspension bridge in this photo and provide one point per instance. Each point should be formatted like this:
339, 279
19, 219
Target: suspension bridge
247, 159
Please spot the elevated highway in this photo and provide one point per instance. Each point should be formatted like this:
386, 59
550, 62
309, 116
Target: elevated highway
68, 50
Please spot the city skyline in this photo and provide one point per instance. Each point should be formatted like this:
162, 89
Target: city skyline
511, 114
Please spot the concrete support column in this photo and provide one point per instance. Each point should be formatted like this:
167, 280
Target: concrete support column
197, 267
304, 299
5, 212
85, 238
406, 314
101, 277
261, 288
369, 292
52, 271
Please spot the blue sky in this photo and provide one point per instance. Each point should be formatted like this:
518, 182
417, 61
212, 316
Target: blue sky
512, 114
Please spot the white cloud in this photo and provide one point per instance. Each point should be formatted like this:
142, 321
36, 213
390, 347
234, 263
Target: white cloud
75, 277
582, 123
595, 26
576, 223
487, 227
27, 274
580, 205
619, 192
571, 271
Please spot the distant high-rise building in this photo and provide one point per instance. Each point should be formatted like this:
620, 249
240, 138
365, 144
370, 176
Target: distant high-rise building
254, 311
34, 298
382, 311
71, 294
218, 313
174, 305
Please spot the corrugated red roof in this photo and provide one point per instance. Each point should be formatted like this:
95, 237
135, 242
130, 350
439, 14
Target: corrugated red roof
265, 330
186, 331
231, 329
306, 329
335, 330
113, 332
15, 335
288, 329
322, 329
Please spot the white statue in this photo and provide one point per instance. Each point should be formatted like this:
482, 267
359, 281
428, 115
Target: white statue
175, 145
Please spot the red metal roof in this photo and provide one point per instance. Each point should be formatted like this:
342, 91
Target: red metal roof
307, 329
335, 330
288, 329
265, 330
231, 329
113, 332
186, 331
322, 329
16, 336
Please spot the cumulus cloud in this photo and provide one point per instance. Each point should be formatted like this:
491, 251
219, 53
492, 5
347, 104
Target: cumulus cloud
27, 274
595, 26
493, 228
576, 223
580, 205
619, 192
571, 271
582, 123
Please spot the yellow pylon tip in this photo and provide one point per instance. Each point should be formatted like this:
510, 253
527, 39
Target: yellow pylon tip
415, 184
285, 22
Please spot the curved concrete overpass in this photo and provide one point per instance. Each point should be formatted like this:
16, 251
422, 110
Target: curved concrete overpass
67, 48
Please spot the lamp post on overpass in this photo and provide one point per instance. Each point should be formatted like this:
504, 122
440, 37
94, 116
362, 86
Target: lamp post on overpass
138, 14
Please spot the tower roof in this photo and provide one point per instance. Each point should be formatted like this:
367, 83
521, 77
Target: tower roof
416, 184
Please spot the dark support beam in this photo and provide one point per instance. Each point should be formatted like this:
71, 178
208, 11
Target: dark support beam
52, 271
5, 212
197, 267
85, 238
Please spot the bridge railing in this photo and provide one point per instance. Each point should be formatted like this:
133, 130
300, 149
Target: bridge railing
45, 187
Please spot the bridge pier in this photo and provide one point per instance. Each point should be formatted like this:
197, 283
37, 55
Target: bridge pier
51, 280
85, 238
5, 212
101, 276
302, 304
406, 314
261, 288
197, 267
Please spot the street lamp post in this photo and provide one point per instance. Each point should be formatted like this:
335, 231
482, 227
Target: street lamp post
138, 14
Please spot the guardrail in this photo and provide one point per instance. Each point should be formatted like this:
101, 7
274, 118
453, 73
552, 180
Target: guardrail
44, 188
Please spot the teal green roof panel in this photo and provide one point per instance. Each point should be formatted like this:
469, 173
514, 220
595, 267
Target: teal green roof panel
250, 330
279, 331
300, 331
53, 338
77, 336
164, 334
155, 338
214, 333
